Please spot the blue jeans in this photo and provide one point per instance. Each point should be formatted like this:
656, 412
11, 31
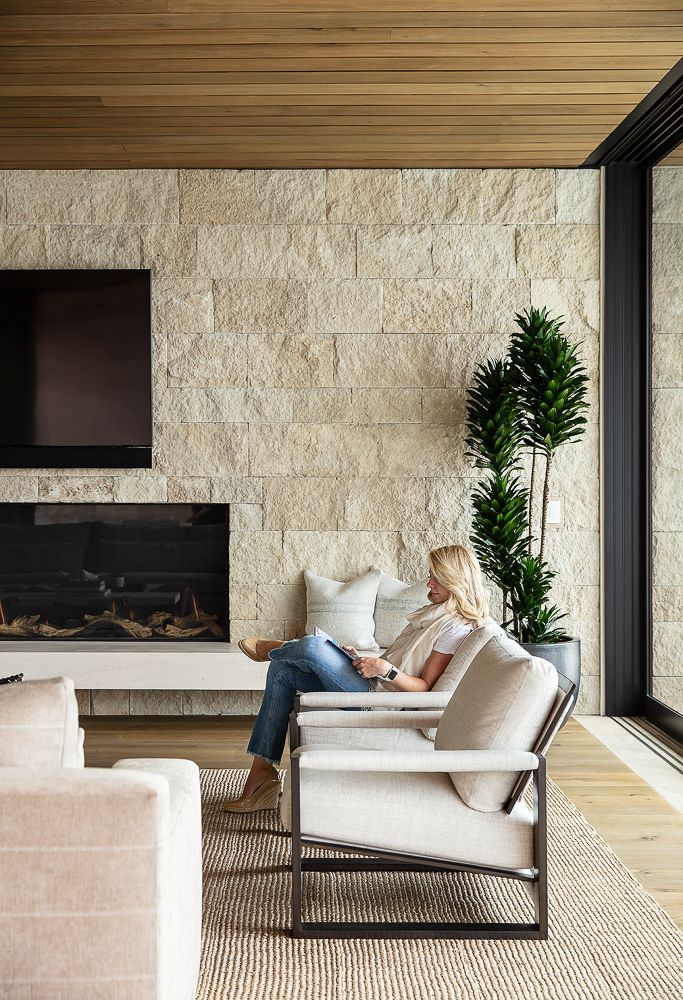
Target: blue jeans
308, 664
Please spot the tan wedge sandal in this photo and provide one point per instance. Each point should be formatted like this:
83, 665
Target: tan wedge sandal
265, 797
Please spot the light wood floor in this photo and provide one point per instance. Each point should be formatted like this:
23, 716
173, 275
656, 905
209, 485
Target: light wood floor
641, 827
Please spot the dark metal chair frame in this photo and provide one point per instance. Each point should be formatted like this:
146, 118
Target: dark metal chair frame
389, 861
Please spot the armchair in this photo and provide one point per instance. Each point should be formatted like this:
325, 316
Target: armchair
413, 805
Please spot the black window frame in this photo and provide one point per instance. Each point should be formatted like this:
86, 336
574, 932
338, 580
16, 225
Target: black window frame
626, 158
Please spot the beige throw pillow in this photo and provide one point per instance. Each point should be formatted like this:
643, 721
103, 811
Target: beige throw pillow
395, 601
343, 610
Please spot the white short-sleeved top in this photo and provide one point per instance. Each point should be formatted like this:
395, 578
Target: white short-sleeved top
450, 637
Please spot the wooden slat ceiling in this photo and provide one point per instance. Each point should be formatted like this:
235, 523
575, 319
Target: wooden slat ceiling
305, 83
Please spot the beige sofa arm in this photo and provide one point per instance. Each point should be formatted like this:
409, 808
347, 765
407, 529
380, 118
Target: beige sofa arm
398, 699
454, 761
367, 720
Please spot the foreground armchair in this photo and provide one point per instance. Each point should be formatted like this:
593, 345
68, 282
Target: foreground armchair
456, 805
100, 868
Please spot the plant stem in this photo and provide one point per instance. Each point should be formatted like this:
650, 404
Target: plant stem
532, 483
544, 512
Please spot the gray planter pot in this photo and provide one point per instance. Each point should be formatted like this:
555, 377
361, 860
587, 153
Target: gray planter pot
564, 656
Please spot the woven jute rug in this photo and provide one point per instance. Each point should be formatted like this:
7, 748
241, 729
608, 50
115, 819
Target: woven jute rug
608, 937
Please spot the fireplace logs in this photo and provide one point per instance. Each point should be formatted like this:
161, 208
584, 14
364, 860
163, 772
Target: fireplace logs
109, 624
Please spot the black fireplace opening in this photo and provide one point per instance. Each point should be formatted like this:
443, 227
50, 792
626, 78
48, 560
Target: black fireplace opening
114, 571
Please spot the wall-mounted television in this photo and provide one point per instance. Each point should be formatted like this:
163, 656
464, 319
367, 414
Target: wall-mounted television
75, 369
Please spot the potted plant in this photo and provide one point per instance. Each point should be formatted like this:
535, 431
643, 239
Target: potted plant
520, 410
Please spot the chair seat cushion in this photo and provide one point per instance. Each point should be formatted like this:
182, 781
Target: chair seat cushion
417, 814
39, 724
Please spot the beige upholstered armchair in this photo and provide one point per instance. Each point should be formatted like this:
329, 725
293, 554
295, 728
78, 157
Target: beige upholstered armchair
403, 802
100, 868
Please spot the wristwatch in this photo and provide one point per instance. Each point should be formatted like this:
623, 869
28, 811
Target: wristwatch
393, 672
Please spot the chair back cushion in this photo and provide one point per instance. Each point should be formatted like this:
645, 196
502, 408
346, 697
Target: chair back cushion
39, 724
501, 702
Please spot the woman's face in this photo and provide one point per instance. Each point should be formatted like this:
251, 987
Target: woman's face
437, 594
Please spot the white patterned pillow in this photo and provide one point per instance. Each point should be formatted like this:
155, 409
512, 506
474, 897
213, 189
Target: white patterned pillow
395, 601
343, 610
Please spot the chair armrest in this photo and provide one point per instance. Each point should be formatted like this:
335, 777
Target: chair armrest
458, 761
398, 699
368, 720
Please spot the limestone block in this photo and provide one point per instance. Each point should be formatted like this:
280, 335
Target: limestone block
271, 252
392, 361
441, 196
421, 450
395, 252
189, 490
260, 307
18, 489
667, 194
83, 700
667, 559
219, 702
76, 489
667, 499
210, 196
427, 306
667, 604
243, 601
448, 506
202, 449
464, 353
138, 489
295, 630
364, 196
149, 702
588, 702
667, 361
290, 360
518, 196
23, 246
667, 420
577, 193
110, 702
667, 250
444, 406
246, 516
236, 489
390, 406
207, 360
312, 450
344, 307
302, 503
559, 251
575, 555
3, 200
270, 405
282, 600
577, 459
159, 365
495, 303
182, 305
340, 555
582, 607
325, 406
479, 252
670, 691
414, 546
667, 305
200, 406
255, 557
382, 505
99, 197
667, 639
580, 498
577, 301
291, 195
241, 628
93, 246
169, 250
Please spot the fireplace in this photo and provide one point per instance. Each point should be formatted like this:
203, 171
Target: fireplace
114, 571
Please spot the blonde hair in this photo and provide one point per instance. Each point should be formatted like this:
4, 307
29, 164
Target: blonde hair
456, 568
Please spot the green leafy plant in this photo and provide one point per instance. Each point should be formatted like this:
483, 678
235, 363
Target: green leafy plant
530, 402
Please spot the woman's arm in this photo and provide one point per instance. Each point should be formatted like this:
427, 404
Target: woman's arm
375, 666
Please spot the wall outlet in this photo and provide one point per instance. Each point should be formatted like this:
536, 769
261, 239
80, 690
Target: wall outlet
554, 512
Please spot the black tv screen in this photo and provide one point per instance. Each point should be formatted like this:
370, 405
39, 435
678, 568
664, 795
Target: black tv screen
75, 374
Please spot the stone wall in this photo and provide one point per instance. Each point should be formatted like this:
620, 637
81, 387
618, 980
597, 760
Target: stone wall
667, 420
314, 332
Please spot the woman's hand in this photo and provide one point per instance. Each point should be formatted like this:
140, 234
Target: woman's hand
372, 666
352, 650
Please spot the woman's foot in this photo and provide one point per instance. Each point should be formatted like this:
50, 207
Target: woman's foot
258, 649
261, 790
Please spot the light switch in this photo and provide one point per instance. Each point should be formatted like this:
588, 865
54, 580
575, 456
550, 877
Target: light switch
554, 512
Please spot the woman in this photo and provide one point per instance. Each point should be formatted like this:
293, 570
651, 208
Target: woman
414, 662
